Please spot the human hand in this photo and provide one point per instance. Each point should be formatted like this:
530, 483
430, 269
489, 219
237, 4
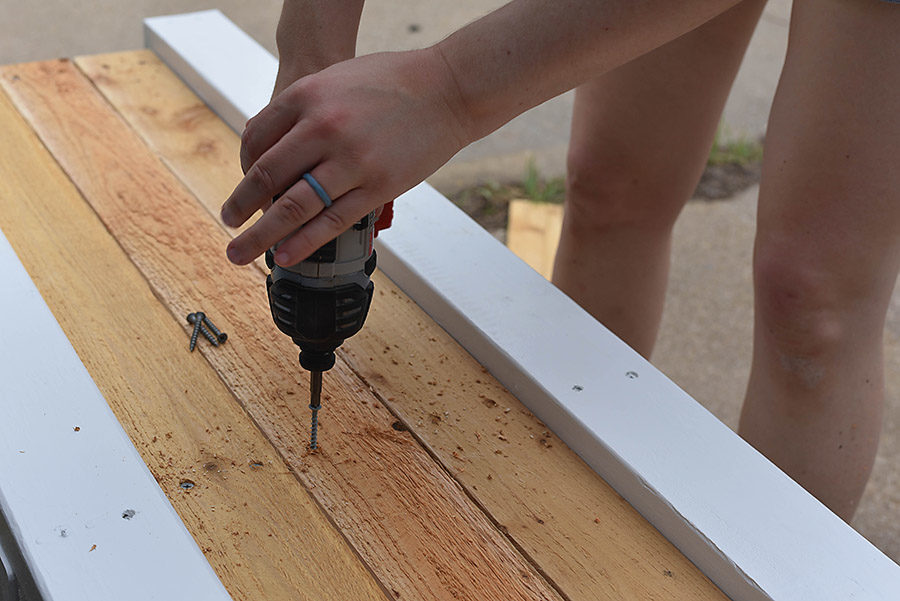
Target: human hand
366, 129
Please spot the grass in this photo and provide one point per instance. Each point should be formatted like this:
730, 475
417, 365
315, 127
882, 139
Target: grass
732, 165
738, 150
538, 189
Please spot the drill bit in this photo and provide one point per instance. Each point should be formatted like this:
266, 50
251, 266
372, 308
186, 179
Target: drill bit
315, 403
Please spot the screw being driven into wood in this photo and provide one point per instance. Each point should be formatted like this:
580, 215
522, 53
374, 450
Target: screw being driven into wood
315, 403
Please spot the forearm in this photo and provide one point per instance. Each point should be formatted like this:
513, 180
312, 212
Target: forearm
369, 129
529, 51
314, 34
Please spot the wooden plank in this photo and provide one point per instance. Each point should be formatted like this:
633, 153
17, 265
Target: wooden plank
216, 62
569, 524
414, 527
60, 450
718, 500
187, 132
703, 501
259, 528
533, 233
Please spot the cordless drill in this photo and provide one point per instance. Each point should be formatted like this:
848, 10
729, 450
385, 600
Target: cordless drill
323, 300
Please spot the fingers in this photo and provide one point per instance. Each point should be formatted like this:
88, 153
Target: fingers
270, 175
295, 208
326, 226
267, 128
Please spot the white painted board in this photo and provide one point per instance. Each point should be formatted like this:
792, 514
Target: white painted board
207, 65
751, 529
70, 478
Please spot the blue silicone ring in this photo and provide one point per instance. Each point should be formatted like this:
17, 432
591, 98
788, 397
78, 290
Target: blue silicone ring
318, 189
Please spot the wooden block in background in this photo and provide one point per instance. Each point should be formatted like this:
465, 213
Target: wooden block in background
533, 233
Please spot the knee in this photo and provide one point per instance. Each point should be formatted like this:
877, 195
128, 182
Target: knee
616, 189
801, 310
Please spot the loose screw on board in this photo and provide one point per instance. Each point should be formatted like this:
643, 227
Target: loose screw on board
220, 336
197, 323
201, 317
200, 322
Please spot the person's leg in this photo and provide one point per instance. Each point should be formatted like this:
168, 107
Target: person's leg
827, 248
640, 138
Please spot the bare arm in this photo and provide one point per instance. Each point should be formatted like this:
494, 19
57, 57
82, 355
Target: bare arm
371, 128
529, 51
313, 35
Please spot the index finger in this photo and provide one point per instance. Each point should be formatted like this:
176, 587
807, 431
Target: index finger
327, 225
266, 128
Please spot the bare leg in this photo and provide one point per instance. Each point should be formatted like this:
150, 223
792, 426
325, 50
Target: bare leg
640, 138
827, 248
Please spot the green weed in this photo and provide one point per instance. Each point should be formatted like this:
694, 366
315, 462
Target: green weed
538, 189
738, 150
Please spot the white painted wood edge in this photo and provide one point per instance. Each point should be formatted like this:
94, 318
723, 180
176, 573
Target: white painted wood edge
70, 477
208, 66
751, 529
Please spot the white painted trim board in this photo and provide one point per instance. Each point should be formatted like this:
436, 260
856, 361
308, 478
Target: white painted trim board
64, 491
751, 529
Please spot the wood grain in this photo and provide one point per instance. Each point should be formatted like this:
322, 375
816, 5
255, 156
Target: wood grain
260, 530
533, 233
411, 523
576, 529
186, 135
